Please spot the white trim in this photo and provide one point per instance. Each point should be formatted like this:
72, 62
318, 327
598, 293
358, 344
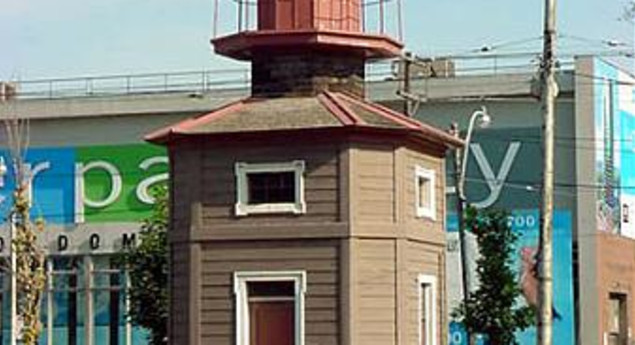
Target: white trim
243, 208
422, 210
430, 282
241, 300
271, 299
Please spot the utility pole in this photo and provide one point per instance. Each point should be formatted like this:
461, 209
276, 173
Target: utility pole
549, 93
407, 62
460, 167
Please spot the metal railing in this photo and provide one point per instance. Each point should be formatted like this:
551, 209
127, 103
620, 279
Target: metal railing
148, 83
211, 81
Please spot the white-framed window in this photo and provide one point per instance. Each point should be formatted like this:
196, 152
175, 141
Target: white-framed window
269, 304
427, 289
270, 188
425, 192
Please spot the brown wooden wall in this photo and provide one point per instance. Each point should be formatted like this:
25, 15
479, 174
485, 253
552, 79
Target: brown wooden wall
320, 259
436, 227
386, 292
374, 188
422, 258
393, 246
184, 189
321, 182
375, 292
179, 280
204, 192
383, 193
362, 257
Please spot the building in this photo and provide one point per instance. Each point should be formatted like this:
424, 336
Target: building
305, 214
91, 176
503, 171
594, 245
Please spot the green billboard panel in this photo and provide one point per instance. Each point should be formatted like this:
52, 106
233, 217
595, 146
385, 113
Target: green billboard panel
113, 183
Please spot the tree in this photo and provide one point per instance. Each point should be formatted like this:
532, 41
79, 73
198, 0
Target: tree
493, 309
147, 266
28, 256
29, 269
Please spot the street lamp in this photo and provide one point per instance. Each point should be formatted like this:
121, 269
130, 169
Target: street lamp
484, 120
460, 164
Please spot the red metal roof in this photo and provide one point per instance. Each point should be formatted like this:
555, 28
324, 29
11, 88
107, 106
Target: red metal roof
240, 45
328, 110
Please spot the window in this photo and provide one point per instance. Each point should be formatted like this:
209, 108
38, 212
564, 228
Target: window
427, 309
269, 307
425, 192
270, 188
618, 322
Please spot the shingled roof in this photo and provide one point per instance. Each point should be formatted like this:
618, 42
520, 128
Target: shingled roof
324, 111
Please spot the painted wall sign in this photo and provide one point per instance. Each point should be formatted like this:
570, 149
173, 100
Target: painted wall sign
614, 110
90, 184
495, 182
526, 223
91, 198
500, 167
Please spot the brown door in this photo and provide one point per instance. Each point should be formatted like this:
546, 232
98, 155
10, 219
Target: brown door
271, 322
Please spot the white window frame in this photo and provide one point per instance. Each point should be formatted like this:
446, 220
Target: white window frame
431, 302
243, 208
422, 210
242, 306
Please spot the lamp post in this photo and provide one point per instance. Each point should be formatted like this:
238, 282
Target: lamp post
460, 167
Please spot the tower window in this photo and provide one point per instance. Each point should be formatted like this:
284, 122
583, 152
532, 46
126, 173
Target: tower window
270, 188
425, 192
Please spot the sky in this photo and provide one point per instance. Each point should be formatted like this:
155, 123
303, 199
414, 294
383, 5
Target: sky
42, 39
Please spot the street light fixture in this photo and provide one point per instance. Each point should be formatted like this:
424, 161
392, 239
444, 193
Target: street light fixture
460, 167
484, 120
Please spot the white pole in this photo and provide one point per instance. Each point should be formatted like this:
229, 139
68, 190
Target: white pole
127, 308
549, 93
89, 317
14, 291
49, 301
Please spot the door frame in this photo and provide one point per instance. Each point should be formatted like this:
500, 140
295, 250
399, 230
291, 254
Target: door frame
430, 296
242, 307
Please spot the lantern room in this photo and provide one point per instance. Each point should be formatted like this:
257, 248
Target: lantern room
370, 27
308, 14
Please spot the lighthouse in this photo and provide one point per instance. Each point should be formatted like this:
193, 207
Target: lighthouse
306, 46
305, 214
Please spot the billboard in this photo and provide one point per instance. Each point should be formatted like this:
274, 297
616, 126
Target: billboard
497, 174
614, 127
86, 195
526, 223
89, 184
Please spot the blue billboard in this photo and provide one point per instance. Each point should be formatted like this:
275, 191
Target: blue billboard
91, 184
527, 224
614, 117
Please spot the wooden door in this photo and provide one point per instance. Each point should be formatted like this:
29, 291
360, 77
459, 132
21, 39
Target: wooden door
271, 322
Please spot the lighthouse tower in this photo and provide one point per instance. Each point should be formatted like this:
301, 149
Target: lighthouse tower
306, 46
304, 214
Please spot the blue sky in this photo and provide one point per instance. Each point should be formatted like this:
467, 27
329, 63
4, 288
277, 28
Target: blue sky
67, 38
